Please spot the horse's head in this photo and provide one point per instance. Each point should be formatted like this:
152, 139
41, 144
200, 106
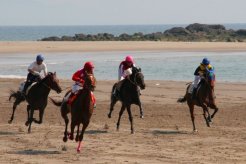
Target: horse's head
210, 76
90, 82
137, 77
52, 82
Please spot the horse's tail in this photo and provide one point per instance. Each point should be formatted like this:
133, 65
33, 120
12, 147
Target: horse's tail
55, 102
17, 95
182, 99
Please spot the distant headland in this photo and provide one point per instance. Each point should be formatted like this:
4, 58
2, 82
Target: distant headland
193, 33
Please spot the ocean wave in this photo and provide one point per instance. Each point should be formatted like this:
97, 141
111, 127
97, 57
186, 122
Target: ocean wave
12, 76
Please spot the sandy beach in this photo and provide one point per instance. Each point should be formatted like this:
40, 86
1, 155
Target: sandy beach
42, 47
163, 136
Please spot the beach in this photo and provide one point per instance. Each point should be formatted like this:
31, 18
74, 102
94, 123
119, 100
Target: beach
164, 135
97, 46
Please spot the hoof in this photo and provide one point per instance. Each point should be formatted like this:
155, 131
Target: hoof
195, 131
77, 138
27, 123
132, 132
10, 121
78, 150
109, 115
141, 116
64, 139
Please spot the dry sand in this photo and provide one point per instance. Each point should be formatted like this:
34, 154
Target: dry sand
163, 136
42, 47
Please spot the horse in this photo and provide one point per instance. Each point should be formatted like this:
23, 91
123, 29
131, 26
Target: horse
36, 98
81, 110
129, 94
204, 98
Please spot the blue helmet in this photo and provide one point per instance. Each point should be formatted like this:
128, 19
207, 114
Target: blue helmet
39, 58
205, 61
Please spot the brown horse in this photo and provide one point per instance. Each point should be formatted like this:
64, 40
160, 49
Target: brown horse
204, 98
81, 110
36, 98
129, 94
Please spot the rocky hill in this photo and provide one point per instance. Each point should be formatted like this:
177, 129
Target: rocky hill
193, 32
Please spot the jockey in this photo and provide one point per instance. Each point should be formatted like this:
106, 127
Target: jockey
125, 68
35, 70
199, 72
79, 78
124, 71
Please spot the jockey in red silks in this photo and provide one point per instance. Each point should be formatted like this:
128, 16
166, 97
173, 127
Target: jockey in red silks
79, 78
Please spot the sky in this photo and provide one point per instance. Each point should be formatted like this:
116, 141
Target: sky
120, 12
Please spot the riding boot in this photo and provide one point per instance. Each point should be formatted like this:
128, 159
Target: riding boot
194, 93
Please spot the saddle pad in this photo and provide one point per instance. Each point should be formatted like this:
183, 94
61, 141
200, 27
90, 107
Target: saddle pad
28, 89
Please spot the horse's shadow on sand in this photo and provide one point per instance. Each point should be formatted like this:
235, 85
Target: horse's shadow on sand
36, 152
168, 132
2, 133
96, 132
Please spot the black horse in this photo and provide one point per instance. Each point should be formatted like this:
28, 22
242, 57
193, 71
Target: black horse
204, 98
129, 94
36, 98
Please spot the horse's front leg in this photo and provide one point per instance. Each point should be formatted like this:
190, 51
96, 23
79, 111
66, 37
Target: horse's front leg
30, 120
205, 111
77, 135
141, 108
28, 108
120, 114
113, 102
41, 114
82, 136
71, 135
130, 118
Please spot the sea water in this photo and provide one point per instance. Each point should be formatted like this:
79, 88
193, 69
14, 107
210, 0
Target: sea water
178, 66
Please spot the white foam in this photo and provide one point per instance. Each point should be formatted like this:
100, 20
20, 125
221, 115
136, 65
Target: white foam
12, 76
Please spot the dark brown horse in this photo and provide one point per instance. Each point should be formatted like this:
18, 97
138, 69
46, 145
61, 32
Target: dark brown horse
81, 110
36, 98
129, 94
204, 98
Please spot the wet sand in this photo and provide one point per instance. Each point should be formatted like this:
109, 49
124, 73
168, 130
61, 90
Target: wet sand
44, 47
163, 136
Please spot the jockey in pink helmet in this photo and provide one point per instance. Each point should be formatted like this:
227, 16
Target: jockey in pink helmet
125, 68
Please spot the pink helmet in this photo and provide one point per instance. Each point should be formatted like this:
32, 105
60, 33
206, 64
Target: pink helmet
129, 59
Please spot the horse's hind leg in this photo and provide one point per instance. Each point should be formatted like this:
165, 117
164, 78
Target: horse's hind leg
82, 136
120, 114
113, 102
192, 117
130, 118
13, 113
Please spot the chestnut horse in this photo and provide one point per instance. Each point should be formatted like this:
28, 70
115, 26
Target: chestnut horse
81, 110
36, 98
204, 98
129, 94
